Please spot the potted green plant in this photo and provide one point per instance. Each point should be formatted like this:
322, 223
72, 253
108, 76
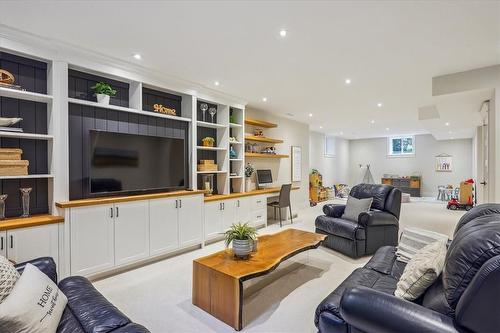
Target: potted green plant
208, 141
249, 170
242, 236
103, 92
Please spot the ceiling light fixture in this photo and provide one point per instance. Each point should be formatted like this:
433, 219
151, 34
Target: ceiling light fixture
137, 56
310, 114
372, 121
216, 83
379, 105
387, 128
283, 33
341, 133
321, 127
347, 81
447, 124
264, 99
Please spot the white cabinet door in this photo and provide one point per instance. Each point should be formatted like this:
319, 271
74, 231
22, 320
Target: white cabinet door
92, 239
29, 243
3, 243
190, 220
131, 231
243, 211
230, 213
163, 226
213, 219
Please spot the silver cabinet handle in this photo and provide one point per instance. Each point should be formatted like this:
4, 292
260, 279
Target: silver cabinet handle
111, 209
223, 206
176, 203
180, 203
1, 243
117, 212
220, 205
259, 216
259, 201
238, 204
11, 241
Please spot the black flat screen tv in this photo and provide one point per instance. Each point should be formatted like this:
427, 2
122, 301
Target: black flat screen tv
129, 163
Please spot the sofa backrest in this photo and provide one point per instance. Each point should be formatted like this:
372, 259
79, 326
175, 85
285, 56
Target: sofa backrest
471, 274
385, 197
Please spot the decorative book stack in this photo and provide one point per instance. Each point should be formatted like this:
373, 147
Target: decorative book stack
11, 163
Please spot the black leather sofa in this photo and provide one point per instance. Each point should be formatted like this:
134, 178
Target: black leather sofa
87, 310
465, 297
374, 229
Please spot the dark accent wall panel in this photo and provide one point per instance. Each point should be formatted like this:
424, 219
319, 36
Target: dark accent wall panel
30, 74
83, 118
79, 84
151, 97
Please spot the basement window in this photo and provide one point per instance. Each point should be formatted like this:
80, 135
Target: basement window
401, 146
329, 146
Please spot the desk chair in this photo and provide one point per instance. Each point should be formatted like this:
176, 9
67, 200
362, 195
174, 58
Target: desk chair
283, 201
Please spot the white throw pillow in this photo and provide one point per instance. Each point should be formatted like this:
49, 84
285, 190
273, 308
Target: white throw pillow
421, 271
8, 277
35, 304
355, 206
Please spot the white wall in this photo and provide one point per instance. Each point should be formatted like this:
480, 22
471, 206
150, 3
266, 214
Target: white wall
335, 169
374, 152
294, 134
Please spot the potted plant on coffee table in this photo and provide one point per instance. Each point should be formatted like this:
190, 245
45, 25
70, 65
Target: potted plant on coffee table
242, 235
103, 92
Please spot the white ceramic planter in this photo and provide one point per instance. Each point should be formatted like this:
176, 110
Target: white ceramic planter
102, 99
242, 248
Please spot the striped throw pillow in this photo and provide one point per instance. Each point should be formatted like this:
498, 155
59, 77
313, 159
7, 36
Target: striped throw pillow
414, 239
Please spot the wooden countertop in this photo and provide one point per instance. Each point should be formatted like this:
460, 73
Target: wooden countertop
218, 197
32, 221
108, 200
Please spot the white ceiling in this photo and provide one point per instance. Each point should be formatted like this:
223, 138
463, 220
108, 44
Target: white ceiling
389, 49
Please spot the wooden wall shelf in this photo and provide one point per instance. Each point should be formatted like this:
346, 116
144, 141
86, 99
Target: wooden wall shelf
262, 139
31, 221
260, 155
260, 123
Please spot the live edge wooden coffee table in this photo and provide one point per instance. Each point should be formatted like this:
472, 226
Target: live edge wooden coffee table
218, 278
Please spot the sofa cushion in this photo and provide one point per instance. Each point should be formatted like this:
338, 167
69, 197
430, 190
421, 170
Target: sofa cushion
69, 323
94, 312
383, 260
478, 211
378, 192
360, 277
340, 227
355, 207
8, 277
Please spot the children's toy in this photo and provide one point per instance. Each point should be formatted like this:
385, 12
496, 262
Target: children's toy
466, 198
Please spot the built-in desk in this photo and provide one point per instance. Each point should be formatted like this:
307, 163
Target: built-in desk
271, 190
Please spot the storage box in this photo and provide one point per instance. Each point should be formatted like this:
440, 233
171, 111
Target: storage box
14, 167
207, 167
10, 153
207, 162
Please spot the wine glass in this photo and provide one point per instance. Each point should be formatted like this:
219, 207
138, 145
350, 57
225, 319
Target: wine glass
212, 112
204, 108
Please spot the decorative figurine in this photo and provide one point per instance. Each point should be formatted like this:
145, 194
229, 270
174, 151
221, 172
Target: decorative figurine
25, 192
3, 197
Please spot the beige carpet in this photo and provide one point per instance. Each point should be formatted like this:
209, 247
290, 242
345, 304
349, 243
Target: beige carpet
159, 295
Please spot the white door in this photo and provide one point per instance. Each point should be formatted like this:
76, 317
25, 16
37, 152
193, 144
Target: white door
163, 226
213, 219
3, 243
30, 243
92, 239
190, 220
131, 231
243, 211
229, 208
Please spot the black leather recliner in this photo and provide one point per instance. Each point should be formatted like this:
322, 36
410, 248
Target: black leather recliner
465, 298
376, 228
87, 310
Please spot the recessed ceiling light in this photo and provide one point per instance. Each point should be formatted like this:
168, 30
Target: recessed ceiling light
446, 124
387, 128
310, 114
347, 81
283, 33
320, 127
137, 56
372, 121
264, 99
341, 133
379, 105
216, 83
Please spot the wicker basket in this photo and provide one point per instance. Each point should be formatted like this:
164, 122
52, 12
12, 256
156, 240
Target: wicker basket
14, 167
207, 167
10, 153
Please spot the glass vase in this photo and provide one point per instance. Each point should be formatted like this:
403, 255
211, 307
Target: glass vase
25, 196
3, 197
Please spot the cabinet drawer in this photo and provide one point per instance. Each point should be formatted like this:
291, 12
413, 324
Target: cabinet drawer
258, 203
259, 217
